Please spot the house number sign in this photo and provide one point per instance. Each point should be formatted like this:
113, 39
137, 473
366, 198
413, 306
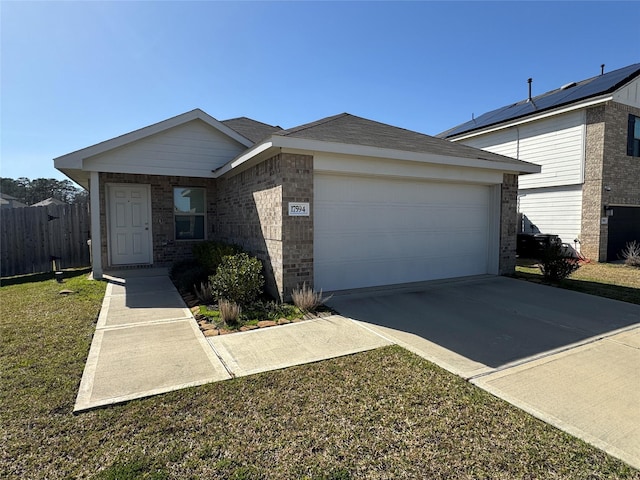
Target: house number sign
298, 209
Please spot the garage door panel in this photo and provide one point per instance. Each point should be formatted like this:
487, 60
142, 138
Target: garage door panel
372, 231
379, 217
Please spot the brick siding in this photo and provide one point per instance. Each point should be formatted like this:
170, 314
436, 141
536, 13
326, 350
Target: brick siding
166, 249
508, 224
250, 208
606, 165
253, 212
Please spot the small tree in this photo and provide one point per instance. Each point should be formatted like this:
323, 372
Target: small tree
238, 279
555, 264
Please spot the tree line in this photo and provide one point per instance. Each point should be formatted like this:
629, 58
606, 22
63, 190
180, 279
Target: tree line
34, 191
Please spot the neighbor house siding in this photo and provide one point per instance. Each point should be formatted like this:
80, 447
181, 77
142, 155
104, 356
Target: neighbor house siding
555, 210
253, 212
193, 149
556, 144
611, 176
166, 249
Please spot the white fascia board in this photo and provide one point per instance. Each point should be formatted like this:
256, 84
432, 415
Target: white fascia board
368, 151
532, 118
243, 158
75, 159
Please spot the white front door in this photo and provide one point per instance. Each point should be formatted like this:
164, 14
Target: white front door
129, 224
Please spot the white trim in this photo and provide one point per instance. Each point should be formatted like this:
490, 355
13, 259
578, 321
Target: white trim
242, 158
370, 166
307, 146
76, 159
531, 118
96, 238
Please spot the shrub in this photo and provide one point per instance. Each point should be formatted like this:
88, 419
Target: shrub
210, 254
229, 311
631, 254
204, 293
306, 299
186, 274
238, 279
555, 264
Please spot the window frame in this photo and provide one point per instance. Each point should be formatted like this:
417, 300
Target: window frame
633, 141
178, 214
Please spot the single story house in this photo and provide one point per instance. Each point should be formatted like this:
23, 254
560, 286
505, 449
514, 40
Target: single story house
340, 203
586, 137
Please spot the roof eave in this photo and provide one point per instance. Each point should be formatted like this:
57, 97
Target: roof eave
278, 143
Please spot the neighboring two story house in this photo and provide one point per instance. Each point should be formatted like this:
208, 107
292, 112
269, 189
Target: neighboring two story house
586, 137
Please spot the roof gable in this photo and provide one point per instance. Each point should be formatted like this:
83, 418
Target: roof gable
74, 159
568, 94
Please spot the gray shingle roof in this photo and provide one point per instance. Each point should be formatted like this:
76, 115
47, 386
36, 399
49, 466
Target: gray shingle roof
570, 93
349, 129
251, 129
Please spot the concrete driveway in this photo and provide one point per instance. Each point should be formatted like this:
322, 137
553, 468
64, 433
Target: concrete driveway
568, 358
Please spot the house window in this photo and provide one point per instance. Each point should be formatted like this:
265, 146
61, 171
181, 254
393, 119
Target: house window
633, 140
189, 213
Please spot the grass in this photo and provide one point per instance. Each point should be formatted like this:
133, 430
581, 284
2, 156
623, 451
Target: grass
616, 281
382, 414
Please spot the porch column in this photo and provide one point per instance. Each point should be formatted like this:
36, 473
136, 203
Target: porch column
96, 239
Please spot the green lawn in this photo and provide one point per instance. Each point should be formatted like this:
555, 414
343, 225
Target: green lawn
377, 415
617, 281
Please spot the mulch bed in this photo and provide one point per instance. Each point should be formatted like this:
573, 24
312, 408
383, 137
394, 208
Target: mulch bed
209, 329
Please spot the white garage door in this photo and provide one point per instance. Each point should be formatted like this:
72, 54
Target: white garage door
379, 231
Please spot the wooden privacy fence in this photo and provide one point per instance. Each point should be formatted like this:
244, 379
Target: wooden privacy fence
32, 237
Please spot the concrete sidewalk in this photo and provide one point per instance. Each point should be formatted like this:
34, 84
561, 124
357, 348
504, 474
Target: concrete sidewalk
591, 391
147, 342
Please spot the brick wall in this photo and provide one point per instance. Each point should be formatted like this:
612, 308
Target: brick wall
166, 249
252, 212
606, 165
508, 223
591, 231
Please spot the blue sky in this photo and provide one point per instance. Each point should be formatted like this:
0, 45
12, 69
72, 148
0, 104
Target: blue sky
76, 73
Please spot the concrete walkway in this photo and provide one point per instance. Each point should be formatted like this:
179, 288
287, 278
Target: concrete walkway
147, 342
567, 358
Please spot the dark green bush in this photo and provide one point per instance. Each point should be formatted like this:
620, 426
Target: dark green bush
210, 254
238, 279
556, 264
187, 274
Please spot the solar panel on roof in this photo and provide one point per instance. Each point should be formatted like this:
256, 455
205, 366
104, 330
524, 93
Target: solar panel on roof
582, 90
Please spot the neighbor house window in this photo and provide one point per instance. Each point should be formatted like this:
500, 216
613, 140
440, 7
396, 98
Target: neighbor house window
633, 140
189, 213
